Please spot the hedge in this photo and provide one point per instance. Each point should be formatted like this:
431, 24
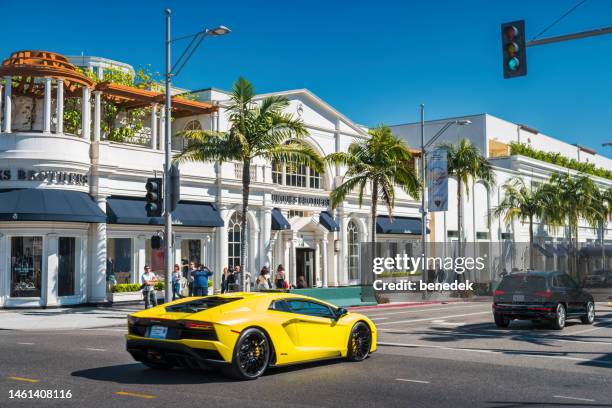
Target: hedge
133, 287
559, 160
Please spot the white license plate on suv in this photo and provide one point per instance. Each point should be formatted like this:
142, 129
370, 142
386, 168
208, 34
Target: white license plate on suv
518, 298
158, 332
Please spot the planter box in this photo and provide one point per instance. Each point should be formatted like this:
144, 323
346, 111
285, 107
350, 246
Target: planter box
121, 297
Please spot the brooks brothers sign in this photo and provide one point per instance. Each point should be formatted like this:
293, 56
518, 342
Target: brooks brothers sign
48, 176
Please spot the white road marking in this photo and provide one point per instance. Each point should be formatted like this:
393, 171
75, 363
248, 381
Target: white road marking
94, 349
445, 323
416, 310
435, 318
413, 381
574, 398
497, 352
24, 343
375, 319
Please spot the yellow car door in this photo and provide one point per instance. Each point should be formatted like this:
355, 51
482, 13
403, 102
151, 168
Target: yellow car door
318, 333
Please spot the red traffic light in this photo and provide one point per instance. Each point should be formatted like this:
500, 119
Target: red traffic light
510, 32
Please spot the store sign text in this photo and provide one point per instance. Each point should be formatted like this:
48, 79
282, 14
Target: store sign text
49, 176
299, 200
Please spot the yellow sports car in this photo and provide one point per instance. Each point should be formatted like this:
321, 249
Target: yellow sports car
245, 333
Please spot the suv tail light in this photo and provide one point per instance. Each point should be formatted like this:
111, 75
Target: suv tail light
499, 292
545, 294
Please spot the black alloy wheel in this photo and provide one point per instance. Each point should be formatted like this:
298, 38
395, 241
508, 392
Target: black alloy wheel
360, 342
251, 355
589, 317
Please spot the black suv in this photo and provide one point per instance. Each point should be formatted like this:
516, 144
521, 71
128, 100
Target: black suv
552, 296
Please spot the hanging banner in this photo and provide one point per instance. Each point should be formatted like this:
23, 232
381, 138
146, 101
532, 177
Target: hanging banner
437, 181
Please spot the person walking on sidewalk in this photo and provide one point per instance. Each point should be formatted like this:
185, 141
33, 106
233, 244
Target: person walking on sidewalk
148, 281
176, 282
200, 281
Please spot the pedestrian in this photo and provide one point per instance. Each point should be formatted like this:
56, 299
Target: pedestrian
200, 281
280, 278
190, 271
224, 280
263, 281
148, 281
301, 282
176, 282
230, 281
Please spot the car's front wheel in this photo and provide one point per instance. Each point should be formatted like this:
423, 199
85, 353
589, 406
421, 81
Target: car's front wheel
589, 317
559, 319
501, 321
360, 342
251, 355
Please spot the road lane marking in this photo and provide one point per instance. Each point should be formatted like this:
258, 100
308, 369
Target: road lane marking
574, 398
94, 349
517, 353
24, 379
586, 330
415, 310
26, 344
445, 323
132, 394
413, 381
435, 318
378, 318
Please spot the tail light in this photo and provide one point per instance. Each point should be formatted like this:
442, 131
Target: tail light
541, 309
545, 294
192, 324
499, 292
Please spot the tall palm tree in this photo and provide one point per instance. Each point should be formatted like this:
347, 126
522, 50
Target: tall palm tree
257, 130
382, 162
464, 162
525, 203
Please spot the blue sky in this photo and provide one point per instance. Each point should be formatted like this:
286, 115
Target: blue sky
373, 61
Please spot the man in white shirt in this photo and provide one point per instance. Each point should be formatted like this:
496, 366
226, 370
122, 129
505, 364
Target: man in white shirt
148, 281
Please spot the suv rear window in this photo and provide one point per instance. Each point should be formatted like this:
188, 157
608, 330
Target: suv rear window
524, 283
198, 305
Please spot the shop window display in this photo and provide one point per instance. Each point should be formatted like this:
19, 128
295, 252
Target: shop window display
26, 266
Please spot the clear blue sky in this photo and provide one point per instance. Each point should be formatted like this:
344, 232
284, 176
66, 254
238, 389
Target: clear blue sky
375, 61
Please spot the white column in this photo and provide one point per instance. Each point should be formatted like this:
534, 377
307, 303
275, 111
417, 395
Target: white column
1, 90
267, 235
86, 114
317, 266
97, 115
7, 103
324, 271
52, 270
343, 258
222, 240
47, 107
178, 250
162, 129
97, 278
59, 128
293, 270
256, 257
153, 126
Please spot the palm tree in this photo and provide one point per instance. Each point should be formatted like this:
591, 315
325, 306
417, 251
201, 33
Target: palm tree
525, 204
258, 130
464, 162
382, 162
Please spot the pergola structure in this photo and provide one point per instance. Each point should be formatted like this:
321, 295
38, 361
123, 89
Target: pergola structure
22, 68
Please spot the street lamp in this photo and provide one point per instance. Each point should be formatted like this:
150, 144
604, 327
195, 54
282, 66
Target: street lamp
174, 70
424, 146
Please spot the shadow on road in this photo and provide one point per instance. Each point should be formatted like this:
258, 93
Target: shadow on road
518, 404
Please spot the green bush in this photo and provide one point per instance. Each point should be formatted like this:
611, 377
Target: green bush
556, 158
133, 287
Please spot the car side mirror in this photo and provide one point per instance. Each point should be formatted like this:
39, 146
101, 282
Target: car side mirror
341, 312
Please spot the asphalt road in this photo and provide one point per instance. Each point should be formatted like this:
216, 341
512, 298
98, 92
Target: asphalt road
444, 355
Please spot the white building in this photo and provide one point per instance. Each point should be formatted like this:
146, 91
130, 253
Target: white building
71, 200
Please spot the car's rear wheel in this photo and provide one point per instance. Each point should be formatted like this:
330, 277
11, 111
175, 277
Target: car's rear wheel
589, 317
558, 322
251, 355
501, 321
360, 342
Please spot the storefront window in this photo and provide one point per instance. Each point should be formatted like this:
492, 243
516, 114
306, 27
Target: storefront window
26, 266
119, 259
155, 259
233, 240
191, 250
353, 251
295, 175
315, 179
67, 266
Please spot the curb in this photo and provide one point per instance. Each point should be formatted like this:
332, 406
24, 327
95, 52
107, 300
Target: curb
403, 304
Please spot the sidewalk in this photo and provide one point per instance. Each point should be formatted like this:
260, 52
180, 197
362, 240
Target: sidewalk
65, 318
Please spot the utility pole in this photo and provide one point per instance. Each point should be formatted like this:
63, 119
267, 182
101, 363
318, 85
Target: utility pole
168, 238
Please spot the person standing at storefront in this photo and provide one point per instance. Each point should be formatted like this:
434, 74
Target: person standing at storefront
200, 281
263, 281
148, 287
176, 282
190, 272
280, 279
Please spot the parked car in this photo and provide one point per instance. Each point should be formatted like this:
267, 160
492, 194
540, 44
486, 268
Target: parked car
551, 296
601, 277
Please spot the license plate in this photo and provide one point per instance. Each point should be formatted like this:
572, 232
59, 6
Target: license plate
518, 298
158, 332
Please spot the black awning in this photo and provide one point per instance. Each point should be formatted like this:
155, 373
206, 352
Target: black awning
279, 222
327, 220
398, 225
596, 251
44, 204
188, 214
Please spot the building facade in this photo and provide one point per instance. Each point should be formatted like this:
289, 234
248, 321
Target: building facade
72, 217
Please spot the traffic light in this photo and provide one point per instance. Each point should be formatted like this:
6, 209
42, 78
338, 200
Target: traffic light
514, 49
156, 242
154, 197
175, 187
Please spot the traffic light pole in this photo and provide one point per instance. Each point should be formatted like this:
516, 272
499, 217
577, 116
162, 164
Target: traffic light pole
168, 238
568, 37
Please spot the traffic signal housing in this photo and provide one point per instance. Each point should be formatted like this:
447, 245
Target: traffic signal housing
514, 49
154, 197
175, 187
